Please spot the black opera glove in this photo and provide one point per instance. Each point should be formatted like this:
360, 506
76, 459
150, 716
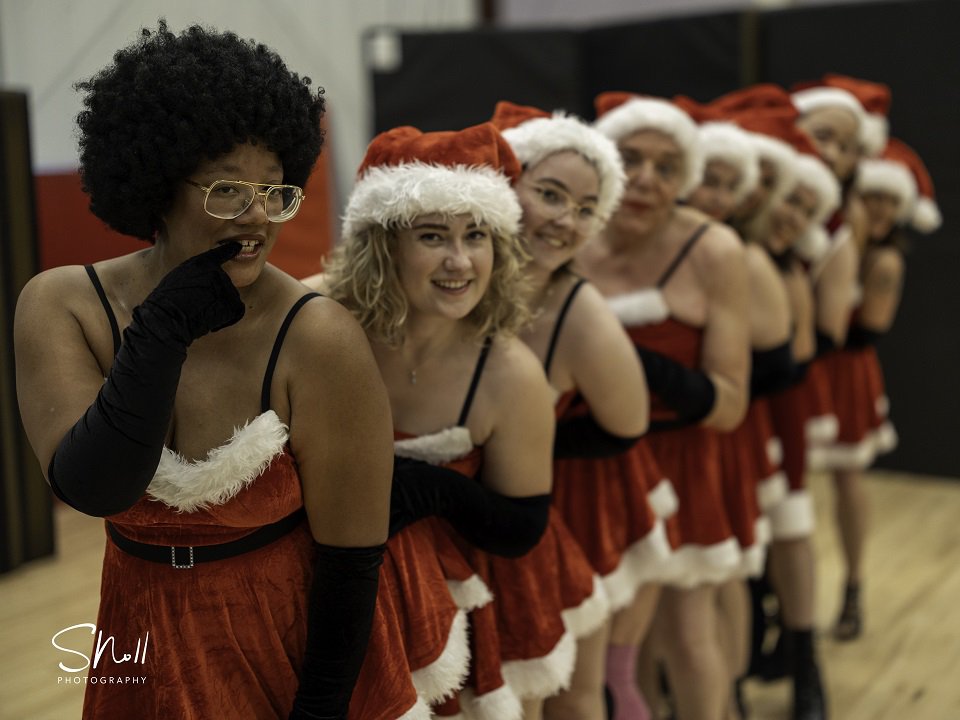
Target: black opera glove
495, 523
690, 393
583, 437
772, 370
105, 462
340, 609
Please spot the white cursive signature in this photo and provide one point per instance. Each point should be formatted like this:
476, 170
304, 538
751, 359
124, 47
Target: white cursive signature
139, 655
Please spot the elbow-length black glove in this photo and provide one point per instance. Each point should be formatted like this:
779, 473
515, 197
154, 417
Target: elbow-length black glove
495, 523
690, 393
772, 370
583, 437
859, 337
343, 596
105, 462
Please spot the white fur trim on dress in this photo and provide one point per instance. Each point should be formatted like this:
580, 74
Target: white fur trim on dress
859, 455
654, 114
534, 140
447, 674
436, 448
726, 142
775, 451
892, 178
394, 195
793, 518
691, 565
543, 676
771, 490
419, 711
190, 485
499, 704
641, 307
471, 593
585, 618
822, 429
647, 560
754, 557
926, 215
663, 499
784, 159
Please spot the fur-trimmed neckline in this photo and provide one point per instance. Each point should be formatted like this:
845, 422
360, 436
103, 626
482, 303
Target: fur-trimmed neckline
437, 448
189, 485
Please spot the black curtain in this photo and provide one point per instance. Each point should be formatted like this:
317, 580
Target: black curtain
26, 516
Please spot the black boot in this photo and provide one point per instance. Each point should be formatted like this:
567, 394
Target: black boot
850, 623
809, 702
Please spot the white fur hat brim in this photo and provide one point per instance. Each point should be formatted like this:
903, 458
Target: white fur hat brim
394, 195
814, 174
536, 139
892, 178
653, 114
728, 143
784, 159
872, 133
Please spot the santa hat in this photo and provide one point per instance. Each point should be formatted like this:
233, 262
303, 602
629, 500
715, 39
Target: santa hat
726, 142
765, 129
534, 135
407, 173
901, 172
875, 98
844, 92
620, 114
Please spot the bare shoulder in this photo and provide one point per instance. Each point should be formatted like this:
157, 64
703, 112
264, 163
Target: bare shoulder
324, 330
56, 288
514, 368
589, 316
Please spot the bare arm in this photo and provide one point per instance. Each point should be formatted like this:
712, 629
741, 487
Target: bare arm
604, 365
769, 303
834, 291
340, 428
722, 271
57, 373
882, 287
801, 306
518, 454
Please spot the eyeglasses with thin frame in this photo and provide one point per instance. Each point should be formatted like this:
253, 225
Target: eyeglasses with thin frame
555, 203
229, 199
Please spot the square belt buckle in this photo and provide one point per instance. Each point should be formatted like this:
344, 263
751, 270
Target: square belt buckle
173, 557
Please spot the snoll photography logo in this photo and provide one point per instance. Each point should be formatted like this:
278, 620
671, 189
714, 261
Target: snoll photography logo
106, 650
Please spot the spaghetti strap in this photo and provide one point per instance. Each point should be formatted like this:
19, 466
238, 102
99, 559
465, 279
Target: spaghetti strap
478, 371
556, 328
665, 278
98, 286
277, 344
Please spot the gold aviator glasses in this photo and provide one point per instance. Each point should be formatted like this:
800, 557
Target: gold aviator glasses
229, 199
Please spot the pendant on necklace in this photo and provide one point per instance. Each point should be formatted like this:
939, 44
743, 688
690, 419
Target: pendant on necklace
413, 377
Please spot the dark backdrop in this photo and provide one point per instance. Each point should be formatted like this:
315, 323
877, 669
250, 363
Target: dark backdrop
451, 80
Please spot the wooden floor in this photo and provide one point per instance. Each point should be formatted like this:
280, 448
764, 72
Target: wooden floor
907, 665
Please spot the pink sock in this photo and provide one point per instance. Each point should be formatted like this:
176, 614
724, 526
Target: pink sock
628, 702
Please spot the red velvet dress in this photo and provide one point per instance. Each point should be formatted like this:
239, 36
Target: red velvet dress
861, 407
705, 550
605, 502
752, 483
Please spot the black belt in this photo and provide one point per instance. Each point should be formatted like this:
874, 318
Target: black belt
184, 557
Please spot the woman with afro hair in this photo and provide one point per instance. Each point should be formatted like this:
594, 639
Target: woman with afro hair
230, 425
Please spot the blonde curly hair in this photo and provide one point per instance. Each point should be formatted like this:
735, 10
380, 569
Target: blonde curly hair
361, 274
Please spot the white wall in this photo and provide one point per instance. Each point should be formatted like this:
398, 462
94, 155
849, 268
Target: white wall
47, 45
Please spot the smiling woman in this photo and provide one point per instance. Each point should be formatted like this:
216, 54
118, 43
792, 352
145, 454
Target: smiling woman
230, 426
